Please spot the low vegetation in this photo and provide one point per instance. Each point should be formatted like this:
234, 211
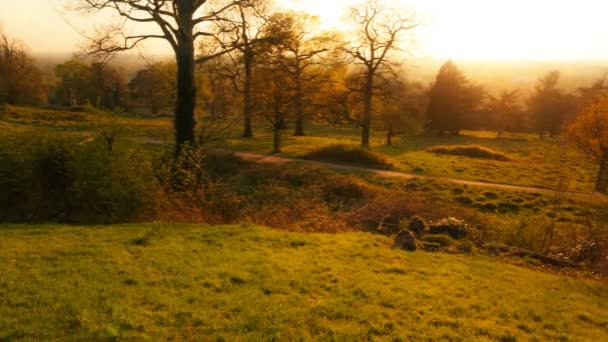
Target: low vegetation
472, 151
348, 154
181, 282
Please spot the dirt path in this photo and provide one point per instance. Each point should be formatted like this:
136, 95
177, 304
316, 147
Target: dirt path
268, 159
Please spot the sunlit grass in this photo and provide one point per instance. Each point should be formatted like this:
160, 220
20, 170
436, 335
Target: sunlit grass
193, 282
534, 162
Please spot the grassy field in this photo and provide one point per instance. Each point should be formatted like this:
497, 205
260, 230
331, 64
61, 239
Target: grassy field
245, 282
533, 162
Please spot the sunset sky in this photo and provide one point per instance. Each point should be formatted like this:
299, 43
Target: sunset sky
465, 29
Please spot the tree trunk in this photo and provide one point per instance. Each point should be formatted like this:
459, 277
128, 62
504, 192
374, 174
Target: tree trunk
389, 135
299, 110
186, 95
499, 133
276, 137
601, 183
247, 101
367, 110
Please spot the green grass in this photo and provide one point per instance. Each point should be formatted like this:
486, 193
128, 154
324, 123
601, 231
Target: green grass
162, 282
534, 162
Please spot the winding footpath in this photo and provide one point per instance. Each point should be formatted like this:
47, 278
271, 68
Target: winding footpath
270, 159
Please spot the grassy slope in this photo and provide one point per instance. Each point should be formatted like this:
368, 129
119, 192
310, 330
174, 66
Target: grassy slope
193, 282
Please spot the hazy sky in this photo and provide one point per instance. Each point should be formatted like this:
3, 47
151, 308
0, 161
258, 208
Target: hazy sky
464, 29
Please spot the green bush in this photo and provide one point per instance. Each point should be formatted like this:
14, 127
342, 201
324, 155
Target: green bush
349, 155
472, 151
54, 178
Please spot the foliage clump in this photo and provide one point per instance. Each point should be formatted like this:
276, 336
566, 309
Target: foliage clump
52, 178
471, 151
345, 154
451, 226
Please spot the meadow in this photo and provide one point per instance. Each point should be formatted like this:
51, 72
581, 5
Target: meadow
192, 282
545, 163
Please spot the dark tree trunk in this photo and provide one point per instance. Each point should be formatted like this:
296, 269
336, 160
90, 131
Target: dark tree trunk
389, 135
499, 132
247, 101
601, 183
276, 136
299, 127
186, 95
299, 110
367, 110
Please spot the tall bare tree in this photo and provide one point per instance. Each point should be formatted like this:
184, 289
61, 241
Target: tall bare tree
379, 35
21, 82
178, 22
302, 48
244, 29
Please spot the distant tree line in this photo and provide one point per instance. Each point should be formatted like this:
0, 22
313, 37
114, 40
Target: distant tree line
302, 76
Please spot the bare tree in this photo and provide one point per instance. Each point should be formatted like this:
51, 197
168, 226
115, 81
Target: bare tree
380, 31
244, 29
302, 48
178, 22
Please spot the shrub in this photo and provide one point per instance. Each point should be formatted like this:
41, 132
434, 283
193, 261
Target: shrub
343, 192
53, 178
417, 225
451, 226
466, 200
349, 155
221, 163
472, 151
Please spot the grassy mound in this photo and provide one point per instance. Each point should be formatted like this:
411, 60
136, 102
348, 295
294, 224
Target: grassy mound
346, 154
472, 151
158, 282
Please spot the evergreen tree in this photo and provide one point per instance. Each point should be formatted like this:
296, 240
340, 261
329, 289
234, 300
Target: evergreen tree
449, 100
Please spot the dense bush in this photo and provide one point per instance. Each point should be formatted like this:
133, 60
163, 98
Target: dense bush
52, 178
472, 151
349, 155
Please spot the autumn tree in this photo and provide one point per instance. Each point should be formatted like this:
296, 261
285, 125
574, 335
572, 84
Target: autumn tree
504, 111
108, 86
222, 99
588, 95
98, 84
380, 30
178, 22
73, 87
401, 107
245, 29
550, 107
452, 99
21, 82
275, 99
589, 133
153, 86
302, 48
